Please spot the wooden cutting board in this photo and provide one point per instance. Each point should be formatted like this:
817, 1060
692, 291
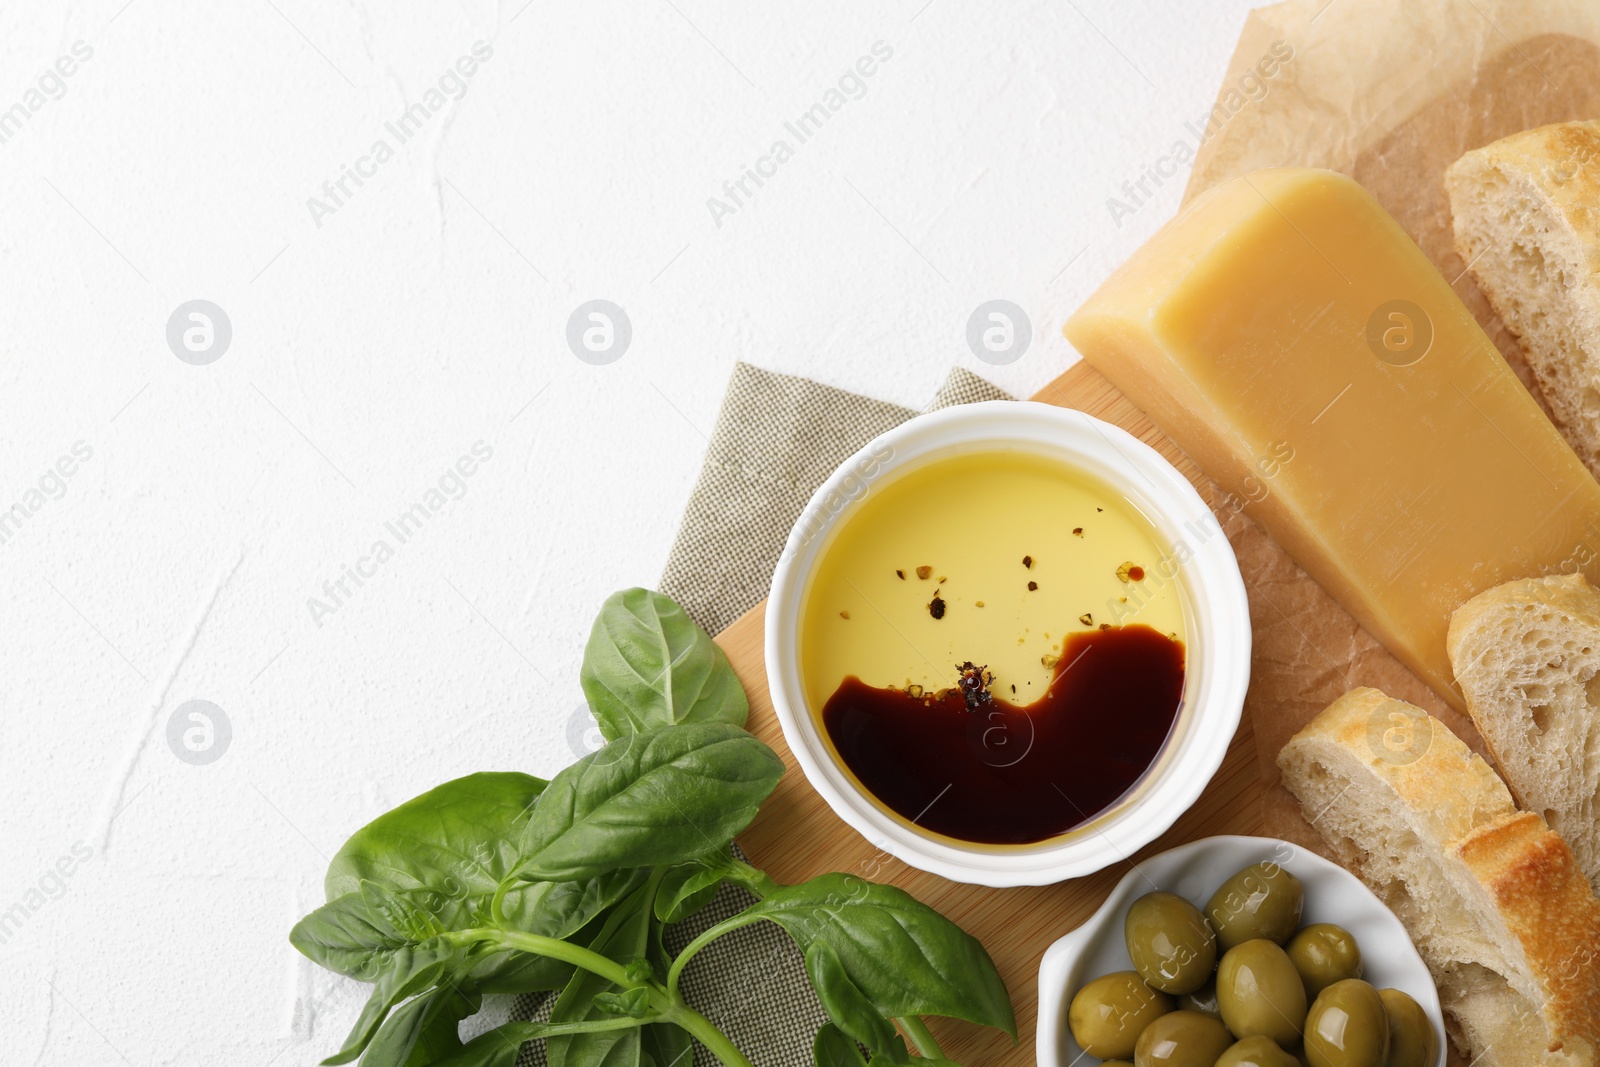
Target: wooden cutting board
797, 836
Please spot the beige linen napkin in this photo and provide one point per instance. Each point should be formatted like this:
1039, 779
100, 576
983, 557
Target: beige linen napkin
777, 438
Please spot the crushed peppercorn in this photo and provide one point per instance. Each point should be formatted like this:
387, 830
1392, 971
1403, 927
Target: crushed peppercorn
924, 571
936, 607
1087, 618
1032, 586
1078, 530
1027, 561
975, 684
900, 574
1130, 572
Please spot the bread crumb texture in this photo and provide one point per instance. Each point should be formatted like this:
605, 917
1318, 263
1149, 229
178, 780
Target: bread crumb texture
1526, 215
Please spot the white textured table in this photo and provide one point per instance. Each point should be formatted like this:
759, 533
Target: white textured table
208, 527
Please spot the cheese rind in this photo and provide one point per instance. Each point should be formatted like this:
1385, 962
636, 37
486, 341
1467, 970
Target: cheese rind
1285, 314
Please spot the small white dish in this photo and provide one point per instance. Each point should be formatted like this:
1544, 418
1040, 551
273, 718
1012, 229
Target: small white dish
1194, 871
1217, 631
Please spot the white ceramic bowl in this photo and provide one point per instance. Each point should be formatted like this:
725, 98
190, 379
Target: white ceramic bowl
1217, 622
1194, 871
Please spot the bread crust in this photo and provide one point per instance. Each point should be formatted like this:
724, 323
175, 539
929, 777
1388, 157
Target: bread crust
1433, 765
1534, 881
1561, 162
1464, 812
1569, 594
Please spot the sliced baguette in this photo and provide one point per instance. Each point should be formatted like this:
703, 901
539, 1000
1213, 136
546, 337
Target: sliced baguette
1527, 657
1491, 896
1527, 224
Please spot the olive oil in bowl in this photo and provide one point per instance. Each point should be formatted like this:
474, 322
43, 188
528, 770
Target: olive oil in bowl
993, 646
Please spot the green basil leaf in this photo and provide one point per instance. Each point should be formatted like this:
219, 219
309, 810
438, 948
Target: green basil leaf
458, 839
904, 956
688, 887
697, 897
848, 1007
440, 1035
522, 972
604, 1048
667, 1044
343, 937
648, 665
568, 907
412, 970
422, 1030
648, 799
632, 1003
834, 1048
624, 937
496, 1048
519, 972
552, 909
405, 915
360, 933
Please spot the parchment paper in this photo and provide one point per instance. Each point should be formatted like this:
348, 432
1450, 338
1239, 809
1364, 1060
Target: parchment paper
1390, 92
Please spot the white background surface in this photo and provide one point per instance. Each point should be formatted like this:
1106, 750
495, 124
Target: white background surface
427, 314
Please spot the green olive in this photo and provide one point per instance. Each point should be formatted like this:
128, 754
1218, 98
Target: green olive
1171, 946
1413, 1042
1324, 954
1107, 1015
1202, 1000
1182, 1039
1260, 993
1261, 901
1257, 1052
1348, 1027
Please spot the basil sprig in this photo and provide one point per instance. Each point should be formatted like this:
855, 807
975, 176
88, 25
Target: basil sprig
500, 882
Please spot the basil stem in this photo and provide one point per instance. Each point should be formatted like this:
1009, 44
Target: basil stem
757, 881
670, 1007
565, 951
675, 972
594, 1026
706, 1032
